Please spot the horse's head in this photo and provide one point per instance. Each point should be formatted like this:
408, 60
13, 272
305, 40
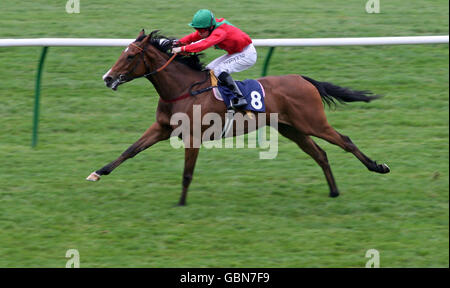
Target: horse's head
131, 64
139, 59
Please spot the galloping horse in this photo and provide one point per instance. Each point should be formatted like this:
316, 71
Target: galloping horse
297, 100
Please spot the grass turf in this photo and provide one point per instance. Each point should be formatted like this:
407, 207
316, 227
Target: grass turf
242, 211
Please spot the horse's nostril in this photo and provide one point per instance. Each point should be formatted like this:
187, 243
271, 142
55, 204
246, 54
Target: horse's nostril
108, 81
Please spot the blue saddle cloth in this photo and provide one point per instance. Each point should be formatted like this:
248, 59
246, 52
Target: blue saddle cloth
252, 91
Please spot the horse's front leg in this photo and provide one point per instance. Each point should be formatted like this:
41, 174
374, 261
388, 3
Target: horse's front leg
154, 134
190, 157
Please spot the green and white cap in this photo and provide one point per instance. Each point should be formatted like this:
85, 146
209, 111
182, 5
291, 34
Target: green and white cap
203, 19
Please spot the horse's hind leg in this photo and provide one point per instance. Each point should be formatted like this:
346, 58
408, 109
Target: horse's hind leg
190, 158
332, 136
312, 149
154, 134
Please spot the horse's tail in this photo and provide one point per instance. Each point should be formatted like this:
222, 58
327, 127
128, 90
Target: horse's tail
329, 92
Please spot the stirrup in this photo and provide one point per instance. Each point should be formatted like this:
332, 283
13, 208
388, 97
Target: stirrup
241, 102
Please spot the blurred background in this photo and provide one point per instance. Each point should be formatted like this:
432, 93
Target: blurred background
242, 211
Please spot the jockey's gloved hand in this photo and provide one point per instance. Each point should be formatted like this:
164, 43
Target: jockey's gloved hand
176, 43
176, 49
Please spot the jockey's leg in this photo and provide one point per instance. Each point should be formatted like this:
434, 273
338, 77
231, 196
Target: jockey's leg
216, 62
236, 62
228, 81
230, 63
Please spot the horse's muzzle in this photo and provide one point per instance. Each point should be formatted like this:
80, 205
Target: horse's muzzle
108, 81
114, 83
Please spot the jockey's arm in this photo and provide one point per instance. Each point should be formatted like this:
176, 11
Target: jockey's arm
188, 39
217, 36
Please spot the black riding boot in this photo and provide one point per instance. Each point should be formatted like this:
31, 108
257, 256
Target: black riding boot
239, 101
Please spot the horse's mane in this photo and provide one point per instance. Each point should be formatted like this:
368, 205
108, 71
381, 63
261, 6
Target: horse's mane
164, 44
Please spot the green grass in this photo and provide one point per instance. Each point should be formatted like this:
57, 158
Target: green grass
242, 211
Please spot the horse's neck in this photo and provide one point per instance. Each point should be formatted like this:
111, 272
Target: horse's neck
175, 79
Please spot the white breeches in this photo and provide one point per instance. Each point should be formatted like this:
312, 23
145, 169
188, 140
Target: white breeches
236, 62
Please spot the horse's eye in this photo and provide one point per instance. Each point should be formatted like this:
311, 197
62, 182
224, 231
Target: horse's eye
130, 57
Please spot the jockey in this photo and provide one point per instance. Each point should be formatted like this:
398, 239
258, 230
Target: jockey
223, 35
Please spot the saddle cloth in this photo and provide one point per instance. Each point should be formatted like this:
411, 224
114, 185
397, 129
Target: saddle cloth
252, 90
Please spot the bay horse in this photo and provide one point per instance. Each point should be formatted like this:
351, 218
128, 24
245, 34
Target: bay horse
298, 100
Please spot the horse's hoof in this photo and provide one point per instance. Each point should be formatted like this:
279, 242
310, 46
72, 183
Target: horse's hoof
380, 168
384, 168
334, 194
93, 177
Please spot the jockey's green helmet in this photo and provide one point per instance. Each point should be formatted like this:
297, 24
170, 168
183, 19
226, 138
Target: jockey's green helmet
203, 19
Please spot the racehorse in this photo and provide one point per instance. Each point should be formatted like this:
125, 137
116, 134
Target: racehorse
298, 100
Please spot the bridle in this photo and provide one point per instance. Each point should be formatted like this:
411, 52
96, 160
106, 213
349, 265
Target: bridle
124, 77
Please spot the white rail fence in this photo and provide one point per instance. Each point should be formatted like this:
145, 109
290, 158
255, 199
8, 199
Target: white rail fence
272, 43
257, 42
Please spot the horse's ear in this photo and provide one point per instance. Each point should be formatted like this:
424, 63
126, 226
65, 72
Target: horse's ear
141, 33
